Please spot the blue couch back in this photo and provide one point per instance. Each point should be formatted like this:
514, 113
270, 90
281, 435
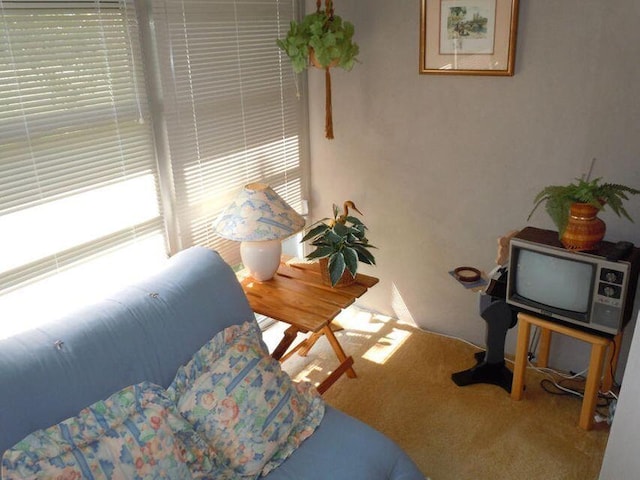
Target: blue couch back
145, 332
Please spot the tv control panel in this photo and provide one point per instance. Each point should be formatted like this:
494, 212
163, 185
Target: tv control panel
609, 298
610, 286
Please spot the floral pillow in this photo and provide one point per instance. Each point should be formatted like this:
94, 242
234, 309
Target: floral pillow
239, 399
135, 434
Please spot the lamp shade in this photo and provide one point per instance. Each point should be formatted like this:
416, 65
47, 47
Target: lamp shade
258, 214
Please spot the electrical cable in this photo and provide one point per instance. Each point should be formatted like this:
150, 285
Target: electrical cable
613, 355
605, 406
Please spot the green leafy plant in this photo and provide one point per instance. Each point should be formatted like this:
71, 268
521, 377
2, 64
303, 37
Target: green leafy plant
558, 199
342, 240
330, 38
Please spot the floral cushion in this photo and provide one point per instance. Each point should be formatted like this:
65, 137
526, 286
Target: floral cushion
245, 406
135, 434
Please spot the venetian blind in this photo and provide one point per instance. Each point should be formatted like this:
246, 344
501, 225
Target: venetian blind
233, 109
77, 162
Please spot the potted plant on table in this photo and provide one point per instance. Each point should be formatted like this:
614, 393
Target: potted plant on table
573, 208
340, 243
324, 40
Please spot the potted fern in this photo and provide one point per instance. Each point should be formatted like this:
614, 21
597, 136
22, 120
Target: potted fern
341, 243
573, 208
324, 40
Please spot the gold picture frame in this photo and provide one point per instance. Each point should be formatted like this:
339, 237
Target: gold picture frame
468, 37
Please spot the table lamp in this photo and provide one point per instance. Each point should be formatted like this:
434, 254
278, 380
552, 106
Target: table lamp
260, 219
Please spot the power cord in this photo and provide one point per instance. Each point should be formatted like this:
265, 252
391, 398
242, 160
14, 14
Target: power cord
606, 400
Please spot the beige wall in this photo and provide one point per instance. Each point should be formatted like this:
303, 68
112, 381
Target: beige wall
443, 165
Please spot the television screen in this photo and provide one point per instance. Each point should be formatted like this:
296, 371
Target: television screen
554, 281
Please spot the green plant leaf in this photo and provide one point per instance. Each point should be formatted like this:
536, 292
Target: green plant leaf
317, 230
364, 255
331, 39
341, 230
320, 252
331, 237
350, 259
336, 267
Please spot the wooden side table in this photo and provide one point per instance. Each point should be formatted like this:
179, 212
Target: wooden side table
297, 296
599, 345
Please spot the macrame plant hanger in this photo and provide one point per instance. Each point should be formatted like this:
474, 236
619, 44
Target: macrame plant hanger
328, 122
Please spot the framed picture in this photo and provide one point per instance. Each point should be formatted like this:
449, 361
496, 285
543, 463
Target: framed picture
468, 37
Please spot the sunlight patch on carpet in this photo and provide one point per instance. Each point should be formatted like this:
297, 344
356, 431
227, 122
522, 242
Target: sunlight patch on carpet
386, 346
353, 318
310, 372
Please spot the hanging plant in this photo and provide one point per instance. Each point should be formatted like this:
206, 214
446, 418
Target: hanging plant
324, 40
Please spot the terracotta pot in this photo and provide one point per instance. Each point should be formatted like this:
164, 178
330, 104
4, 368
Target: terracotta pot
344, 281
314, 61
584, 230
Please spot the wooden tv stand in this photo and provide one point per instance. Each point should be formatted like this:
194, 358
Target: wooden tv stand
605, 349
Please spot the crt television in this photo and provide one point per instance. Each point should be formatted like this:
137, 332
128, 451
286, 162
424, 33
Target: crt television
562, 285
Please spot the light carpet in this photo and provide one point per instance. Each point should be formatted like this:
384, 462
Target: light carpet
404, 389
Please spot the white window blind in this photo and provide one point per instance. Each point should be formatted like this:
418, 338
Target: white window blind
77, 162
234, 114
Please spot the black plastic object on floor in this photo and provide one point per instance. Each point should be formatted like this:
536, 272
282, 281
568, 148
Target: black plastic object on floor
483, 372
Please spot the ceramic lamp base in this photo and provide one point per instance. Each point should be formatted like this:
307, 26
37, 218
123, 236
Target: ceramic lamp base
261, 259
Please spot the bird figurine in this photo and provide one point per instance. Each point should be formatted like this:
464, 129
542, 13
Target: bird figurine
346, 206
343, 218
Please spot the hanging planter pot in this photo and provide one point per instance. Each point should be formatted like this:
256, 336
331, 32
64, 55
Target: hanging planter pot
324, 40
313, 60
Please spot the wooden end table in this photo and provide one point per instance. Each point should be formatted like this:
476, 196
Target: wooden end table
297, 296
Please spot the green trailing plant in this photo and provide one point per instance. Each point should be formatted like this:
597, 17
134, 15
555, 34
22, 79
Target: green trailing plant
557, 199
342, 240
328, 35
328, 40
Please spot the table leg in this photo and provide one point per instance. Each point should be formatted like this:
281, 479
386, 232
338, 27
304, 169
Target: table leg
524, 328
290, 335
337, 348
314, 337
337, 373
309, 343
591, 387
544, 348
